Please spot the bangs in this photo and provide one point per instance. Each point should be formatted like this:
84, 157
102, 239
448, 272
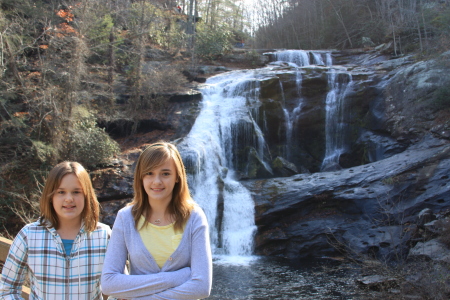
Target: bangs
153, 160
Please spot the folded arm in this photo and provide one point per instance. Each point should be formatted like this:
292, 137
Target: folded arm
199, 285
117, 284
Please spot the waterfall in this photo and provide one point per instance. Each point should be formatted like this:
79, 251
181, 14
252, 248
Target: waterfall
224, 122
338, 84
334, 122
329, 60
318, 58
288, 123
301, 58
291, 117
226, 136
298, 57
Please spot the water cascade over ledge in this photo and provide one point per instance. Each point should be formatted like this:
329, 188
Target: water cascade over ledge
209, 155
227, 126
231, 123
335, 130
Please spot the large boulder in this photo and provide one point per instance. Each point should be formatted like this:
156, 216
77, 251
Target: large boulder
370, 209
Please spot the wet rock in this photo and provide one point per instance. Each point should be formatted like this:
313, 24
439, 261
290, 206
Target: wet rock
395, 63
357, 208
109, 210
412, 97
283, 168
377, 282
113, 184
185, 96
436, 226
431, 250
256, 167
425, 216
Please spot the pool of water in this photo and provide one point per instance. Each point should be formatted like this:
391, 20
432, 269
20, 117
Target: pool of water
272, 278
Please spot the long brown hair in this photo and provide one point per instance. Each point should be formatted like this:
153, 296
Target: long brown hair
181, 204
91, 210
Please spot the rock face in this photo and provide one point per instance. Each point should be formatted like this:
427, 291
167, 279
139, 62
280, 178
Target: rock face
371, 209
114, 185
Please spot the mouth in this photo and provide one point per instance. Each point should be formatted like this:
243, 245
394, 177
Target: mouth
69, 207
158, 190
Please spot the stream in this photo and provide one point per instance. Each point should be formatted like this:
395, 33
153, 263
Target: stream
275, 278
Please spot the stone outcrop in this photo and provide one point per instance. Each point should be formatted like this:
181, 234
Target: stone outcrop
371, 209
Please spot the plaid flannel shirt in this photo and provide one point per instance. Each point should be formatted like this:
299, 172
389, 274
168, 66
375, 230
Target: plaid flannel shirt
39, 252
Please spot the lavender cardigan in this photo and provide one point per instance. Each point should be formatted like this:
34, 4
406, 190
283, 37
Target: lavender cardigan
187, 274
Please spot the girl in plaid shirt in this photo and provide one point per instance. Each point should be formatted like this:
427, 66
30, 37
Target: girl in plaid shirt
62, 252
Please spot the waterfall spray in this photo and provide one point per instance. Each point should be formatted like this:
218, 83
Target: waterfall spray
335, 123
208, 152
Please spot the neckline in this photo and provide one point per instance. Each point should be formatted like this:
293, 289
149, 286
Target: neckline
142, 221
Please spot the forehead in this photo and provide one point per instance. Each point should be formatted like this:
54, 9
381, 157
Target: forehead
70, 180
167, 164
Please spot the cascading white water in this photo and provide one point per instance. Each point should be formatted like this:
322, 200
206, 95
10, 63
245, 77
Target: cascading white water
208, 154
298, 57
288, 123
334, 123
301, 58
338, 84
227, 119
318, 60
329, 60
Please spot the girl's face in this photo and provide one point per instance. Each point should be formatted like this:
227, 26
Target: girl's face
159, 182
68, 200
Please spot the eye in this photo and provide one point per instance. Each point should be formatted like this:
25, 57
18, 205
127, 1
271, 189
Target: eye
166, 174
60, 192
149, 173
76, 192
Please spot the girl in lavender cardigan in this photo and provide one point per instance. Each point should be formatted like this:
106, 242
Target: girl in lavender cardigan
163, 234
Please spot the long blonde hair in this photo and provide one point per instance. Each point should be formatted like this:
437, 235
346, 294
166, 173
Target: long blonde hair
181, 204
91, 210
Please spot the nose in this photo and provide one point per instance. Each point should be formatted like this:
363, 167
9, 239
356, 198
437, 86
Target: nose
68, 197
157, 179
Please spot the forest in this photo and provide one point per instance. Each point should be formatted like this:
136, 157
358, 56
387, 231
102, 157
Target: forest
61, 62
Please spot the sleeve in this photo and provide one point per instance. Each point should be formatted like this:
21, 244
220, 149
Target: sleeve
199, 285
117, 284
15, 268
108, 234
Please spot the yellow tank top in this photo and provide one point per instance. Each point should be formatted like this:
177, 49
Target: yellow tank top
160, 241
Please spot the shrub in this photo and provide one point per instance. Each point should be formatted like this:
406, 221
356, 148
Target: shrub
212, 43
159, 82
43, 152
172, 39
89, 144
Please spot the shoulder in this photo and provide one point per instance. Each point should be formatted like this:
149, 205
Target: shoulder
31, 233
125, 213
198, 215
197, 210
124, 217
33, 228
101, 233
126, 210
103, 227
